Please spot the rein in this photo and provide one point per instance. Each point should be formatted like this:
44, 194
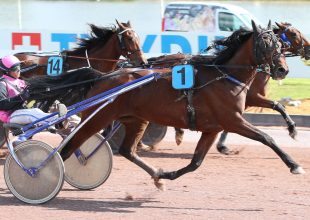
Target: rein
89, 58
108, 75
259, 68
76, 57
121, 43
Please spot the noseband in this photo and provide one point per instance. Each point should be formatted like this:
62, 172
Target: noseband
122, 44
260, 45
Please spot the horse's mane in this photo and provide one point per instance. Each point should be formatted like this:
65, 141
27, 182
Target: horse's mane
224, 48
276, 29
60, 88
98, 35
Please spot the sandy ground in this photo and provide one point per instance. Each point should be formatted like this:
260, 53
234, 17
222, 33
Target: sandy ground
255, 184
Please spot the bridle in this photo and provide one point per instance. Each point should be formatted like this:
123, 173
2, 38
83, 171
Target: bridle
124, 50
288, 44
261, 45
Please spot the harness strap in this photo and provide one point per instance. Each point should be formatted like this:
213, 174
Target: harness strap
191, 115
190, 109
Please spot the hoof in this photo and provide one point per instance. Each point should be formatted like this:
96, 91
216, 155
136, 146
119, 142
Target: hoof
144, 147
293, 134
178, 138
179, 134
223, 149
298, 170
226, 151
159, 183
292, 131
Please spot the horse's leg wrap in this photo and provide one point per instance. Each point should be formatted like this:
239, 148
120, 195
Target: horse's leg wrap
290, 123
221, 147
204, 144
246, 129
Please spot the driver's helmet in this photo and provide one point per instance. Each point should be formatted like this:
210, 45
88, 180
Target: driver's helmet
10, 62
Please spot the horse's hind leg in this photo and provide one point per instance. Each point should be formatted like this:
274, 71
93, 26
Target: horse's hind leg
179, 133
101, 120
134, 130
246, 129
204, 144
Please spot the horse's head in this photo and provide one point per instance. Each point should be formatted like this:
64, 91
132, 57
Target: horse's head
267, 52
130, 44
294, 40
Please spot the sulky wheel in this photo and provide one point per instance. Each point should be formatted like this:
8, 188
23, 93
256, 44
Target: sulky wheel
153, 134
46, 184
96, 169
3, 132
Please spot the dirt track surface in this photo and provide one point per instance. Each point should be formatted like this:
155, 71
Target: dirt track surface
254, 184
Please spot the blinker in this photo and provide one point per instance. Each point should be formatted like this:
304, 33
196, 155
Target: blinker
285, 39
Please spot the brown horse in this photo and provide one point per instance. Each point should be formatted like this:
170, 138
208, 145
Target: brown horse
219, 100
101, 51
257, 94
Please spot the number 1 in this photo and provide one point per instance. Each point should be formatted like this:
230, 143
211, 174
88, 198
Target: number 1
182, 72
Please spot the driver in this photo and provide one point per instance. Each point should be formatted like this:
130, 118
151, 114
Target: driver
13, 94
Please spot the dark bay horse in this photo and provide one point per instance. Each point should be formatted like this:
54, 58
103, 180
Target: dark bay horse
297, 45
101, 51
219, 100
219, 103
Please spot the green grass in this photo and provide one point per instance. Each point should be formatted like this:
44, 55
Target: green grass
295, 88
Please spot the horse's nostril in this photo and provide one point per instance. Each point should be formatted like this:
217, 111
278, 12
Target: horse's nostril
282, 70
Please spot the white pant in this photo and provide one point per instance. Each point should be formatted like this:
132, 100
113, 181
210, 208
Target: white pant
27, 116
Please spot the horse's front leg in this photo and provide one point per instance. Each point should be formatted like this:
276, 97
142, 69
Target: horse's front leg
260, 101
244, 128
204, 144
291, 126
220, 146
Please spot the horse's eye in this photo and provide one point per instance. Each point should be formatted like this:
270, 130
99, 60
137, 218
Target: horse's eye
294, 34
